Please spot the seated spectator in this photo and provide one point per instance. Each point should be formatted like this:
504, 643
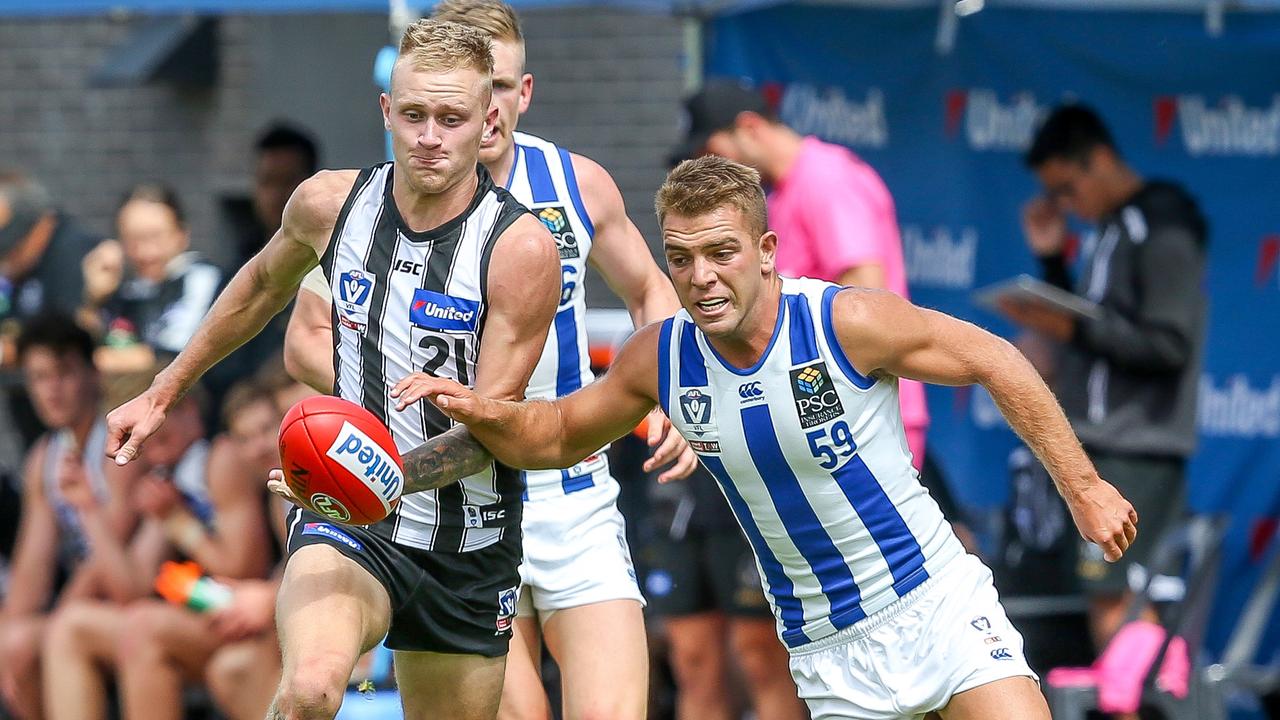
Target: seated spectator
55, 537
202, 501
40, 251
243, 674
147, 306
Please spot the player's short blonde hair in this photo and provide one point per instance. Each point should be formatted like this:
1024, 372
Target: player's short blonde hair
696, 187
495, 17
442, 46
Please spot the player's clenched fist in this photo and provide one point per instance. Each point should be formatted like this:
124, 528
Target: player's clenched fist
1104, 518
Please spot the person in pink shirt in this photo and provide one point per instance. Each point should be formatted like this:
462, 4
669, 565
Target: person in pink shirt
833, 214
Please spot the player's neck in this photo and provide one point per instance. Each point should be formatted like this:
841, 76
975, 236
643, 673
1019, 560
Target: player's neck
500, 169
745, 346
427, 211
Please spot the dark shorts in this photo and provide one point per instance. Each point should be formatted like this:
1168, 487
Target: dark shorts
444, 602
704, 572
1156, 487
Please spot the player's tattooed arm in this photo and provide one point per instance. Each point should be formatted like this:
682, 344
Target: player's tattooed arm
444, 459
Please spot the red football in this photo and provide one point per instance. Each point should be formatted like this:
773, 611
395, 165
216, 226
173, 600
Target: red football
340, 460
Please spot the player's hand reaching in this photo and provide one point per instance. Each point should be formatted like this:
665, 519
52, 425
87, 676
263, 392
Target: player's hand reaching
1104, 518
129, 425
668, 446
456, 401
277, 485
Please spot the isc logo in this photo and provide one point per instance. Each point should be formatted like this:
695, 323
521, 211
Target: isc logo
407, 266
365, 459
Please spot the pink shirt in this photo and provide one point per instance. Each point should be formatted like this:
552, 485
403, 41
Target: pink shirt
832, 212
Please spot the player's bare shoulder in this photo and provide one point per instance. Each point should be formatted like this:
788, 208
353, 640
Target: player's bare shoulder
873, 326
313, 209
600, 193
525, 252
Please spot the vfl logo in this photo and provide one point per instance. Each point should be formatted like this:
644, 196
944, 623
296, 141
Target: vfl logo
695, 407
366, 459
555, 221
330, 508
354, 287
816, 398
750, 391
506, 609
354, 290
1001, 654
437, 311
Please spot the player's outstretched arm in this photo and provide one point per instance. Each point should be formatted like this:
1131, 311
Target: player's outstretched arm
882, 333
523, 292
538, 434
257, 292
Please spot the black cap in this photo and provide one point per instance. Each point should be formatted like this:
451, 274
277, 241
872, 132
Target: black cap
713, 108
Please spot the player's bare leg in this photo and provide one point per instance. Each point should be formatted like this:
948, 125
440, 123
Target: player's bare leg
1015, 698
330, 610
447, 686
81, 639
763, 660
165, 646
698, 662
604, 674
242, 677
523, 697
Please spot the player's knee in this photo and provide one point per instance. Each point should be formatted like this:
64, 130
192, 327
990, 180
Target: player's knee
696, 665
760, 657
313, 690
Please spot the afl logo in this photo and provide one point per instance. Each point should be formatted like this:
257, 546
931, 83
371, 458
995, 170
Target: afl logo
330, 508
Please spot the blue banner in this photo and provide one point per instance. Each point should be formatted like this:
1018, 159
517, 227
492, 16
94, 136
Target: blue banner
947, 133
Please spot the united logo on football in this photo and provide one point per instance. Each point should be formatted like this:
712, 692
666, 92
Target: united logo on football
815, 395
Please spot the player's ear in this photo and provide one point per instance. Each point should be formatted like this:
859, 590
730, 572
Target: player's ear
526, 91
768, 250
384, 101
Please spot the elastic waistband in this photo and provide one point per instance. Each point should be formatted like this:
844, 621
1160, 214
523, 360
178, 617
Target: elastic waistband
869, 624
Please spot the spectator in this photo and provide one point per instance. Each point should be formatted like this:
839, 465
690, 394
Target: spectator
1127, 378
834, 211
285, 157
148, 310
55, 537
202, 501
40, 251
243, 674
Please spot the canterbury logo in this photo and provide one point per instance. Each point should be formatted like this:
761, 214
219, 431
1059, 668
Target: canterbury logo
746, 391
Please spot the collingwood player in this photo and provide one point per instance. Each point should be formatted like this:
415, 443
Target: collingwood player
436, 269
787, 390
577, 574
